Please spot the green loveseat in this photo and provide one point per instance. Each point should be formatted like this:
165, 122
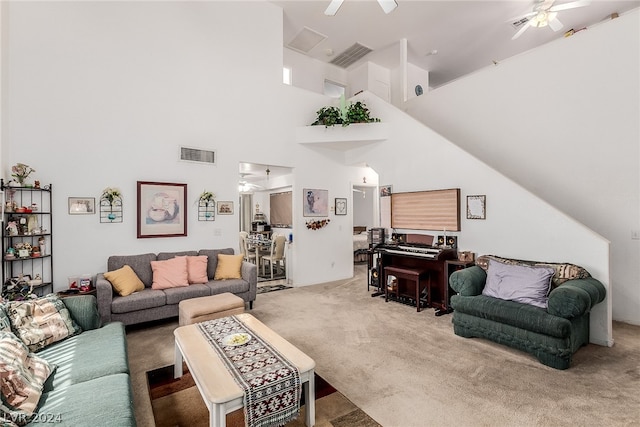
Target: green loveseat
552, 334
90, 385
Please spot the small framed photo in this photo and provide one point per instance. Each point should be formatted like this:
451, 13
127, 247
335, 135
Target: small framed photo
82, 205
340, 206
386, 190
225, 208
477, 207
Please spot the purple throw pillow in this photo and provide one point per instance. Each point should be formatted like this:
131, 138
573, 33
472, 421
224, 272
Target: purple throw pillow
520, 283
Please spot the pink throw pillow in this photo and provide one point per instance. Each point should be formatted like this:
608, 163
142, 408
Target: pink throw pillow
171, 273
197, 269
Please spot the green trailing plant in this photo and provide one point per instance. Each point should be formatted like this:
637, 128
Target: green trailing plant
344, 114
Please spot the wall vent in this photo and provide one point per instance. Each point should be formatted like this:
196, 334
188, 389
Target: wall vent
189, 154
351, 55
306, 40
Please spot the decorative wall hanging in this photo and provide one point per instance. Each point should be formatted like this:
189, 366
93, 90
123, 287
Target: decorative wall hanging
340, 206
317, 224
161, 209
111, 205
82, 205
207, 206
315, 202
225, 208
386, 190
476, 207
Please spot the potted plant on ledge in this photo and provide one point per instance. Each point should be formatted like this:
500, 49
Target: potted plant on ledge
344, 114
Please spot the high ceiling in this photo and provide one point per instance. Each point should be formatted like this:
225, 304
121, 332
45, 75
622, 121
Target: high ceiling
467, 35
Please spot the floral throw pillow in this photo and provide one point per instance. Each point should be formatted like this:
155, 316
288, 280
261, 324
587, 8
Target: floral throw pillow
42, 321
22, 377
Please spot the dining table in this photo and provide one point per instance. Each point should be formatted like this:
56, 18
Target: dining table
262, 246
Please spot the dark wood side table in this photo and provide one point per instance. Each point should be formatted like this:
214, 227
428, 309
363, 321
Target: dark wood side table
66, 293
451, 266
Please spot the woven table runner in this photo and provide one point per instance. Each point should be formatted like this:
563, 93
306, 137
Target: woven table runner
270, 382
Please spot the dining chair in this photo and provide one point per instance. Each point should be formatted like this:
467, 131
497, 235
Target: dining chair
249, 255
276, 255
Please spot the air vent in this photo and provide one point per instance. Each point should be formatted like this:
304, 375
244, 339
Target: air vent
188, 154
351, 55
519, 23
306, 40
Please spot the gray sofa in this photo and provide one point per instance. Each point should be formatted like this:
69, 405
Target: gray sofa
153, 304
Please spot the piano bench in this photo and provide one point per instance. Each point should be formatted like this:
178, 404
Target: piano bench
410, 274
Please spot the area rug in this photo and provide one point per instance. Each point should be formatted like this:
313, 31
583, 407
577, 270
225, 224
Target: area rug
267, 276
270, 288
177, 402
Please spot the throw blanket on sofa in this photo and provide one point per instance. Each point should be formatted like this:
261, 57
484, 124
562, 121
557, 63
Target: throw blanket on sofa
270, 382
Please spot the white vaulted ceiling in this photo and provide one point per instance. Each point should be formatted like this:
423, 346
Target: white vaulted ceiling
448, 38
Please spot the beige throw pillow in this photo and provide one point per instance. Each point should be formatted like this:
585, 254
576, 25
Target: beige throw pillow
229, 267
23, 377
40, 322
124, 280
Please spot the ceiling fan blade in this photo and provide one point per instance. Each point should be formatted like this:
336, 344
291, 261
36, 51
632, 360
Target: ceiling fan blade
520, 31
333, 7
555, 24
571, 5
388, 5
519, 17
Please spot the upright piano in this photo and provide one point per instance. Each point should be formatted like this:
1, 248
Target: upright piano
427, 260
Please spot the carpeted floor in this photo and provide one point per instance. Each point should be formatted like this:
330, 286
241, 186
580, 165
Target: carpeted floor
405, 368
177, 402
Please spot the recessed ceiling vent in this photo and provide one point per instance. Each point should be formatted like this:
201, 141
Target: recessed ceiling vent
188, 154
306, 40
351, 55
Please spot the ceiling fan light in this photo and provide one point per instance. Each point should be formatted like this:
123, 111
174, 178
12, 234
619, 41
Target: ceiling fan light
540, 20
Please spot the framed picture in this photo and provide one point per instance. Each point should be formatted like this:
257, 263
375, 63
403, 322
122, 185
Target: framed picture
476, 207
315, 202
82, 205
162, 209
386, 190
340, 206
225, 208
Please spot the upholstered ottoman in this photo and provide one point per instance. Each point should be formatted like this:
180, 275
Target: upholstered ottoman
201, 309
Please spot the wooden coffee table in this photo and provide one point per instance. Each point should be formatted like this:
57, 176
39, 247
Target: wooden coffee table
217, 387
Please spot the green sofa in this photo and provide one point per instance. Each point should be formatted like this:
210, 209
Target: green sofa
90, 385
552, 334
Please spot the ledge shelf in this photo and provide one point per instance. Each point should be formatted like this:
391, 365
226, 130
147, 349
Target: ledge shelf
343, 137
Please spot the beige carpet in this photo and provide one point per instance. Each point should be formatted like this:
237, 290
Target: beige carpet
406, 369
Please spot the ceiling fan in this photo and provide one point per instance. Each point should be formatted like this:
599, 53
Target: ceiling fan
387, 6
244, 185
545, 13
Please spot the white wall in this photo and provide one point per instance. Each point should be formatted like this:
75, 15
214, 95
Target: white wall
370, 77
309, 73
562, 120
364, 208
518, 224
101, 94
